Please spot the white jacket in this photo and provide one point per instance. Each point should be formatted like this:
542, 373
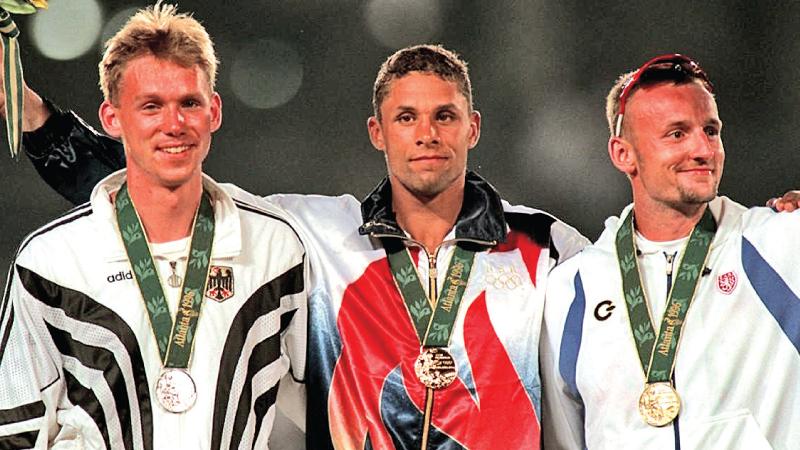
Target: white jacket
737, 366
79, 360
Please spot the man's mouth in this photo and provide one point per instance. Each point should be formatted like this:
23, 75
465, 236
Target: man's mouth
174, 150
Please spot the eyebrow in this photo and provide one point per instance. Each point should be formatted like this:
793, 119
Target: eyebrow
685, 123
438, 108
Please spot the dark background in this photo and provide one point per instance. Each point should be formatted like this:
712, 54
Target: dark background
540, 72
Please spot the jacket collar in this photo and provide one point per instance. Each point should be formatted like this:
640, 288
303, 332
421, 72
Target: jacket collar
481, 217
227, 229
726, 212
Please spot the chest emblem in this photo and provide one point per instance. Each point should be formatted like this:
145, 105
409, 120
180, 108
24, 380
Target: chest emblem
503, 277
219, 286
726, 282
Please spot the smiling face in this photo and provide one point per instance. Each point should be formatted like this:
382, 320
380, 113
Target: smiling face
672, 150
165, 116
425, 131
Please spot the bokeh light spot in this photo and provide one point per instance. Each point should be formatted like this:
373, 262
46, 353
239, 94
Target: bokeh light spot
67, 29
399, 23
266, 73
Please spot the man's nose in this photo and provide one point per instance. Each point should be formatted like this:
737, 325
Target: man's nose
427, 132
174, 121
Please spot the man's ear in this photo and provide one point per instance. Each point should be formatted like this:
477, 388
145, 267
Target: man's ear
109, 119
216, 112
622, 155
474, 128
376, 133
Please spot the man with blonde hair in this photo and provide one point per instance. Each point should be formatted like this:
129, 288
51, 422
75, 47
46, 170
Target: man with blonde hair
164, 312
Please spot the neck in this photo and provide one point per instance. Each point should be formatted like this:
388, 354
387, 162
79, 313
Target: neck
167, 214
428, 219
659, 222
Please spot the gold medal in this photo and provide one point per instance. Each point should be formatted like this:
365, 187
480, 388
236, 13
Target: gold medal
659, 404
435, 368
175, 390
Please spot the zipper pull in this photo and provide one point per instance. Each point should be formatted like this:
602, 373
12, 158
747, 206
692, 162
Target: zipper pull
432, 266
670, 259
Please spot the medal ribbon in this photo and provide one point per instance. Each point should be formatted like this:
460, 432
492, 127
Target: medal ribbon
174, 339
433, 321
12, 81
657, 353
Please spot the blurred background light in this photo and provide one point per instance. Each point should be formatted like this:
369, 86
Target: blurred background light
266, 73
399, 23
67, 29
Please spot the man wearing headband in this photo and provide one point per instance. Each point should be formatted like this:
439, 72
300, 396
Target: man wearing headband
163, 313
426, 298
680, 326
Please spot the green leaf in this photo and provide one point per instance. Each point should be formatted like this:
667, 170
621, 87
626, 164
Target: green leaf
689, 271
406, 275
199, 258
634, 297
623, 232
701, 238
162, 344
143, 270
643, 333
419, 309
440, 331
204, 223
628, 263
123, 203
131, 233
17, 6
157, 306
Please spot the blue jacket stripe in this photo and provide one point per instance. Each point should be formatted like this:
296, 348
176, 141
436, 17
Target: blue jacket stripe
571, 338
779, 299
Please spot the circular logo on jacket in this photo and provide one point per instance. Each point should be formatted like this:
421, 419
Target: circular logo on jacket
727, 282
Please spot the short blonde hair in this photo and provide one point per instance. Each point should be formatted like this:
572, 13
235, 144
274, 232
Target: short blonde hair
160, 31
675, 74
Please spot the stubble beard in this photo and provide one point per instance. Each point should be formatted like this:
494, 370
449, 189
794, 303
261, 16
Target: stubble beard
695, 197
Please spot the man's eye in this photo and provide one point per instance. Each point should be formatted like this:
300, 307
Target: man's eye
446, 116
405, 118
712, 131
677, 134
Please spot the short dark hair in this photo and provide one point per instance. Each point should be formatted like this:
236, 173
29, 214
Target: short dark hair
421, 58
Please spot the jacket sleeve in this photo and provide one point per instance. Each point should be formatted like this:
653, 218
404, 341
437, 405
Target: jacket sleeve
32, 391
70, 155
562, 406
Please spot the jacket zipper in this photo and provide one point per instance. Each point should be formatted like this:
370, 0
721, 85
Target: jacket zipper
433, 294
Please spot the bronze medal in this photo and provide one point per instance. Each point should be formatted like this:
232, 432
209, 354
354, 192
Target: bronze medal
175, 390
435, 368
659, 404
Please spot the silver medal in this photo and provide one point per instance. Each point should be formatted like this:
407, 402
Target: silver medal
175, 390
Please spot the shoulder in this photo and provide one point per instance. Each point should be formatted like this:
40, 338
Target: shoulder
320, 214
253, 207
545, 229
69, 227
